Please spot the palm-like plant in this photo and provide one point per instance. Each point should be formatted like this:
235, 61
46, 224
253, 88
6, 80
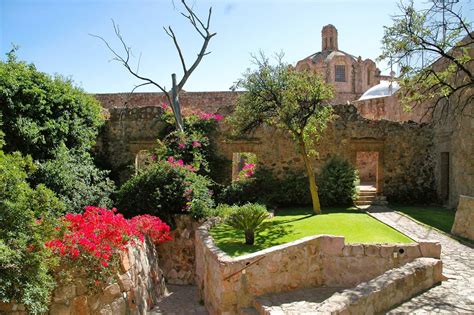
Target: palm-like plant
247, 218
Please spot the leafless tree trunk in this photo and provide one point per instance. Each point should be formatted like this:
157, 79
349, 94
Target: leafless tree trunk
202, 28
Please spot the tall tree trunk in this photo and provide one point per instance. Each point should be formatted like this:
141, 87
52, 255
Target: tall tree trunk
313, 188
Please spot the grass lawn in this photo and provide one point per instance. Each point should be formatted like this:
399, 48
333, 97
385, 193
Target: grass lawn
438, 217
291, 224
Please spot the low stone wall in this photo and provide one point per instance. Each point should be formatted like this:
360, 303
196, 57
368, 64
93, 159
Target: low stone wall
178, 255
464, 220
385, 291
227, 284
139, 286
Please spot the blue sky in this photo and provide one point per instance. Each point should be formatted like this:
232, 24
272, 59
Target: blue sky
54, 34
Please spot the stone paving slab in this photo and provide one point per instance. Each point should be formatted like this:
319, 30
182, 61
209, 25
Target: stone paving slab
301, 301
180, 300
454, 296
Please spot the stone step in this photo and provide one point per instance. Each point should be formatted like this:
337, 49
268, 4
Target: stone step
367, 193
302, 301
363, 202
366, 197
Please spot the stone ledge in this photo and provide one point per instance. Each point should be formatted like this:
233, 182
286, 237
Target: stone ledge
464, 220
385, 291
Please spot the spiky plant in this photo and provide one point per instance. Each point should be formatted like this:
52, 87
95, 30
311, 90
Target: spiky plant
247, 218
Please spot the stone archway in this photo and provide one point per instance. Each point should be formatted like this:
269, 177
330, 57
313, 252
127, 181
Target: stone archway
373, 146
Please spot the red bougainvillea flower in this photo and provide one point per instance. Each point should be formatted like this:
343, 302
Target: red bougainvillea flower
100, 234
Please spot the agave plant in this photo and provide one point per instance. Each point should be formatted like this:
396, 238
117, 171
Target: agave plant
247, 218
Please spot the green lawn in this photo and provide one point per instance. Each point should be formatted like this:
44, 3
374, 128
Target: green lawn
291, 224
438, 217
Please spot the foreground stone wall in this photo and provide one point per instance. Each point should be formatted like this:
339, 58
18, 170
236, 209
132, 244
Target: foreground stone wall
464, 220
382, 293
227, 284
140, 284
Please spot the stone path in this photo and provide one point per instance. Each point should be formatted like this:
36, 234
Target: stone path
454, 296
180, 300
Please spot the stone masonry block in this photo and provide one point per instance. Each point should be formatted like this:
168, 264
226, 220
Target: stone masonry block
430, 249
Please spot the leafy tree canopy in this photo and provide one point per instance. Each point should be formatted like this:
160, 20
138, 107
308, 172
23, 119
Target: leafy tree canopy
40, 112
290, 100
416, 40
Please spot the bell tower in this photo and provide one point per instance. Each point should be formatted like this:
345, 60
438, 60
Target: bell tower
329, 37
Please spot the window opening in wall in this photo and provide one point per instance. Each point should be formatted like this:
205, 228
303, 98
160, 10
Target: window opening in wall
368, 77
444, 178
340, 73
243, 165
367, 165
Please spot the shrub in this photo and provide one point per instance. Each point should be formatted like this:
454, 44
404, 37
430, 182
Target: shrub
292, 190
166, 188
247, 218
337, 182
27, 218
91, 242
261, 188
77, 181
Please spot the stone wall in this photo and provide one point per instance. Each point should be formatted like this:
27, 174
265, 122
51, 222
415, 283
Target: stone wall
228, 284
405, 163
177, 257
367, 166
464, 220
382, 293
140, 284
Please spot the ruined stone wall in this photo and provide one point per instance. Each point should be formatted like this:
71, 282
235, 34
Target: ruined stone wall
405, 159
138, 287
313, 261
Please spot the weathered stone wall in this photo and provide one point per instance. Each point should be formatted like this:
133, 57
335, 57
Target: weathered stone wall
464, 220
140, 284
177, 257
367, 166
321, 260
405, 163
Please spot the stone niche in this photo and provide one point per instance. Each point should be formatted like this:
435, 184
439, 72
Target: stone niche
228, 284
464, 220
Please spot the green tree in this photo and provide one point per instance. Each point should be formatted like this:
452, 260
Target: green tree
55, 123
292, 101
417, 40
41, 112
27, 218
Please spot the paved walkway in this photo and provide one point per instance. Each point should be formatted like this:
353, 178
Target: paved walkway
180, 300
454, 296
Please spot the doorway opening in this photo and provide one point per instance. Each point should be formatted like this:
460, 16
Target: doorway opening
444, 178
367, 165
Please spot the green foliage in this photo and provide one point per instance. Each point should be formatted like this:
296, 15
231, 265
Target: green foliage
416, 40
265, 188
337, 182
164, 189
41, 112
247, 218
24, 261
76, 180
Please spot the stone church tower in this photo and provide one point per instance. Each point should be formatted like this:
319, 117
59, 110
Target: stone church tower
351, 76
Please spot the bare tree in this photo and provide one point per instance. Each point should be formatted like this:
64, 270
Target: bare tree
200, 26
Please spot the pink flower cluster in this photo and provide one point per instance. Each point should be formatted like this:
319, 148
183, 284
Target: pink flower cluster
179, 163
100, 233
209, 116
248, 170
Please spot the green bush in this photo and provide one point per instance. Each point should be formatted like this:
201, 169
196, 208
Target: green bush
261, 188
247, 218
164, 189
27, 217
76, 180
293, 190
337, 182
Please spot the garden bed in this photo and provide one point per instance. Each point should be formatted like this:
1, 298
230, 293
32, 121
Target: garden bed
294, 223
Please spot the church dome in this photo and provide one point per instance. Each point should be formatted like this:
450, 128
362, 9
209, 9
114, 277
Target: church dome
384, 88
